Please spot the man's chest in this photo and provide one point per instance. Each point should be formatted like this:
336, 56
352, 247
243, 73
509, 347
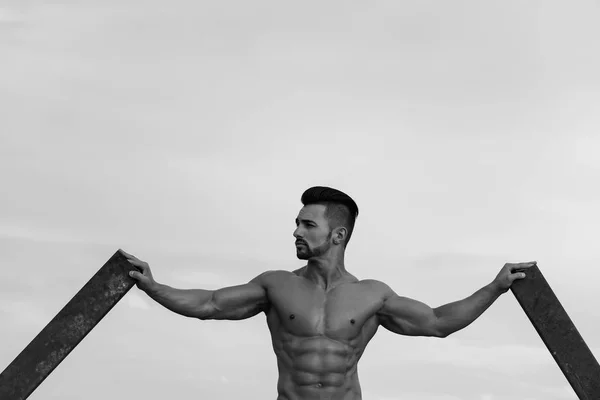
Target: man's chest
305, 310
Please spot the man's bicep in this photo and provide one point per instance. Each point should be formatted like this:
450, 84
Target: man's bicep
406, 316
240, 301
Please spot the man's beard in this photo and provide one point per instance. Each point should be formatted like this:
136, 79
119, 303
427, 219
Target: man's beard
307, 253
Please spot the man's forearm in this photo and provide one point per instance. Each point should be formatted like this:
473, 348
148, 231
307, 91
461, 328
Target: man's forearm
188, 302
455, 316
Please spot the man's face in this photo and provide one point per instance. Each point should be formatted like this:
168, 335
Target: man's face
313, 236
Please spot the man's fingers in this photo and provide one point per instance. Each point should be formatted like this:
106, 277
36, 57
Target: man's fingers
141, 264
135, 275
129, 256
135, 262
515, 277
519, 266
138, 276
125, 253
519, 275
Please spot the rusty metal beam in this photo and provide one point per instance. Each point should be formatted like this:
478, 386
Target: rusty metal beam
558, 333
66, 330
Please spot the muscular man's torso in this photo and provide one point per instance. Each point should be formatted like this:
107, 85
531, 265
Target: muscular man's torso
320, 334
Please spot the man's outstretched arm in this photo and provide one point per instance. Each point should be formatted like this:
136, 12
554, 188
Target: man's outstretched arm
410, 317
232, 303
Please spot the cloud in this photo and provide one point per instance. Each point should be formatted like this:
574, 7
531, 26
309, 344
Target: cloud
10, 16
26, 231
421, 396
23, 313
202, 279
455, 353
586, 151
134, 300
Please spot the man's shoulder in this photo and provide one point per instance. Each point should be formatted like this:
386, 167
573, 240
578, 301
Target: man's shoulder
372, 283
377, 287
272, 276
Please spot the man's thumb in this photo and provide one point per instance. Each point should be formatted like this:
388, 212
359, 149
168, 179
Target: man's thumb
134, 275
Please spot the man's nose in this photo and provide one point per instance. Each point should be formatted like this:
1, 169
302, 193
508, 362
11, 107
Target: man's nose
297, 233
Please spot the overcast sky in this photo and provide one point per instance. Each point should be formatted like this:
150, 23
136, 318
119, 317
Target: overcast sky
185, 132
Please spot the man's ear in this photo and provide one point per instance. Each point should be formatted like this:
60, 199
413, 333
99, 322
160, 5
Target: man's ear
339, 235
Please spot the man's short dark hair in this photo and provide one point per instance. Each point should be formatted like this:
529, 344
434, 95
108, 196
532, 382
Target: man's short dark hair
340, 210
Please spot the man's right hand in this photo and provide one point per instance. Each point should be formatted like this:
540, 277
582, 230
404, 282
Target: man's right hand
144, 280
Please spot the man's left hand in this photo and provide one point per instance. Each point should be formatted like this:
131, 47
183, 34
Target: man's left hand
507, 274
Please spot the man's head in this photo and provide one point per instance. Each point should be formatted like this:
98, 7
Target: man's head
326, 220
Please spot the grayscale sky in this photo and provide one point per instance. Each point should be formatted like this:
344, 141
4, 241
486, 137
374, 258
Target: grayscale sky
185, 132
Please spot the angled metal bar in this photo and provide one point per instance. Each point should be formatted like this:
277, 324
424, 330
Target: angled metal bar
558, 333
67, 329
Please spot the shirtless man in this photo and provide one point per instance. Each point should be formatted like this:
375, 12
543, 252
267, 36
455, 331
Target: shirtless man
320, 316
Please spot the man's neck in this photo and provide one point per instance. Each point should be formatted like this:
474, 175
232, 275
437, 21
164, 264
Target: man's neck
326, 272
